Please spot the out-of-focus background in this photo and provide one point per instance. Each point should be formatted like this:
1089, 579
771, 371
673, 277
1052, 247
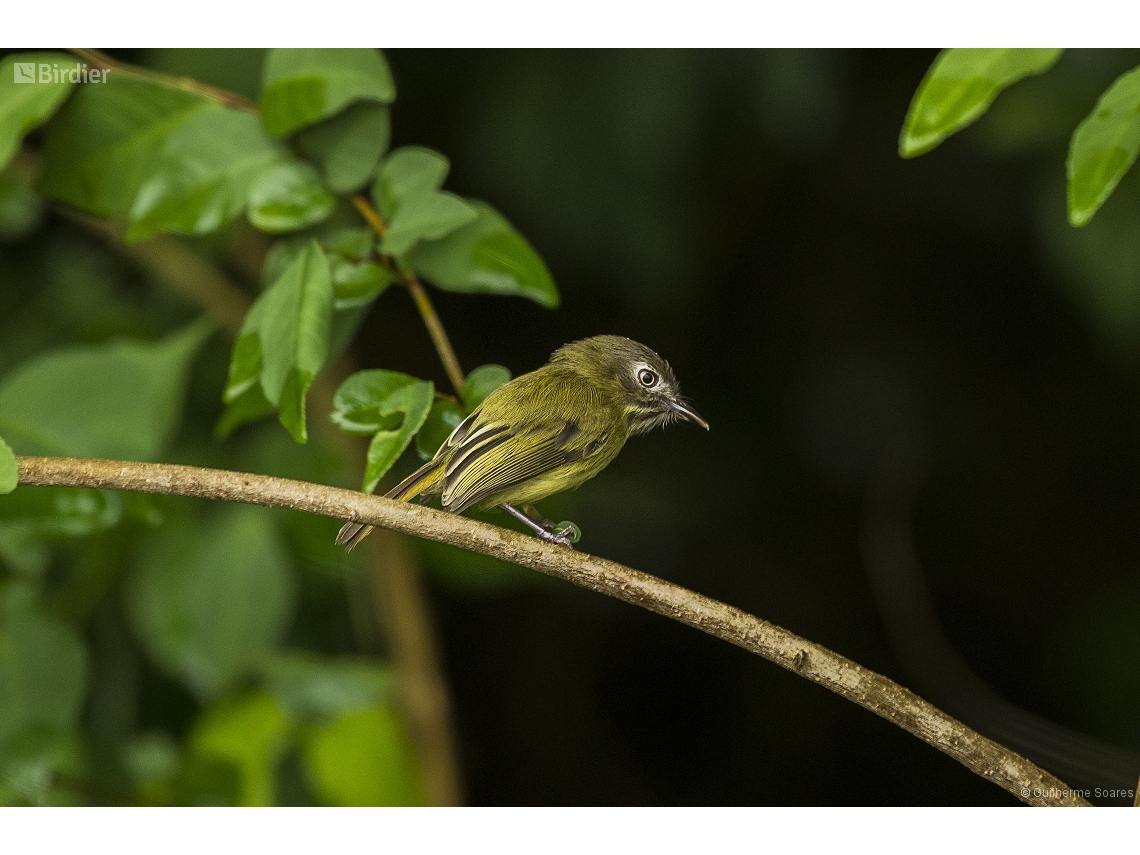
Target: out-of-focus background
924, 395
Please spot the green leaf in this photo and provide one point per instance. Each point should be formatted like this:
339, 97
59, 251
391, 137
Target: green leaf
347, 148
204, 174
482, 382
251, 732
287, 197
26, 103
107, 139
1104, 147
408, 197
363, 758
208, 601
443, 418
408, 173
486, 256
121, 400
284, 341
391, 405
9, 472
319, 688
305, 85
250, 406
43, 666
33, 516
959, 88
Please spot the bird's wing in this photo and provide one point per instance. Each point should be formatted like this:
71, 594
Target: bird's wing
488, 457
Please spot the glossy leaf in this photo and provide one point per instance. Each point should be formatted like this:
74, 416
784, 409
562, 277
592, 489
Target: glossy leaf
347, 147
43, 666
959, 88
313, 687
25, 102
204, 174
287, 197
305, 85
487, 256
408, 197
284, 340
209, 601
250, 732
443, 418
9, 472
121, 400
1104, 147
482, 382
391, 405
106, 141
363, 758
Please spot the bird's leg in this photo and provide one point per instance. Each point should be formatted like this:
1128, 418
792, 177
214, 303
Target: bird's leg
566, 536
535, 516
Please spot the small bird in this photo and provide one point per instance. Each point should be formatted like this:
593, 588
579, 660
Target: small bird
545, 432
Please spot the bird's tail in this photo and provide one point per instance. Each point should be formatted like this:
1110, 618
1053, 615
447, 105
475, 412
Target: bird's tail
423, 480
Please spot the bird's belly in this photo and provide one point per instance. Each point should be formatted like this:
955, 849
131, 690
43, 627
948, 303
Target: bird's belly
557, 480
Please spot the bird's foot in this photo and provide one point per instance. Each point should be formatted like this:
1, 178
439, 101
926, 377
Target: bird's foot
564, 533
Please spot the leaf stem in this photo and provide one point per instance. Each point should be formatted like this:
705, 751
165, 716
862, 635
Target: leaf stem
420, 298
874, 692
99, 59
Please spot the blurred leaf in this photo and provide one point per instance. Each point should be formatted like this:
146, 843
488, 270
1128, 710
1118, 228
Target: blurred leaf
486, 256
288, 197
960, 86
443, 418
348, 147
391, 405
304, 85
120, 400
1104, 147
20, 207
209, 781
106, 141
204, 174
249, 406
284, 342
26, 103
363, 758
43, 666
151, 758
315, 687
9, 472
209, 601
250, 732
33, 759
31, 517
482, 382
408, 197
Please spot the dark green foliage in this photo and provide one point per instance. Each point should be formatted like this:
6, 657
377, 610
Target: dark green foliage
210, 596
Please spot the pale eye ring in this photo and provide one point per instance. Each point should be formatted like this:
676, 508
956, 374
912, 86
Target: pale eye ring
646, 377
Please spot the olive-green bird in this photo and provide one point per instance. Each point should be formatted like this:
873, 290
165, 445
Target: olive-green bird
547, 431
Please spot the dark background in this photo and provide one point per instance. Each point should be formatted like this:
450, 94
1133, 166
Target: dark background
927, 337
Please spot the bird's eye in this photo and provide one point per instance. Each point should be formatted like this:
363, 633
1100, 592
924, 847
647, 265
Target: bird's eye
646, 377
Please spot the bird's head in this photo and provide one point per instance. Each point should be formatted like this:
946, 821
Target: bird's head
633, 375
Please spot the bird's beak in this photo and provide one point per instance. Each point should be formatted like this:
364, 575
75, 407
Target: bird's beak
687, 413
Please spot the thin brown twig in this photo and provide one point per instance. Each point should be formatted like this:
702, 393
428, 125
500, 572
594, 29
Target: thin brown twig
837, 673
420, 297
98, 59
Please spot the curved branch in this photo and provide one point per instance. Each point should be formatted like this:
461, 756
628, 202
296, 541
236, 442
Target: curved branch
873, 691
